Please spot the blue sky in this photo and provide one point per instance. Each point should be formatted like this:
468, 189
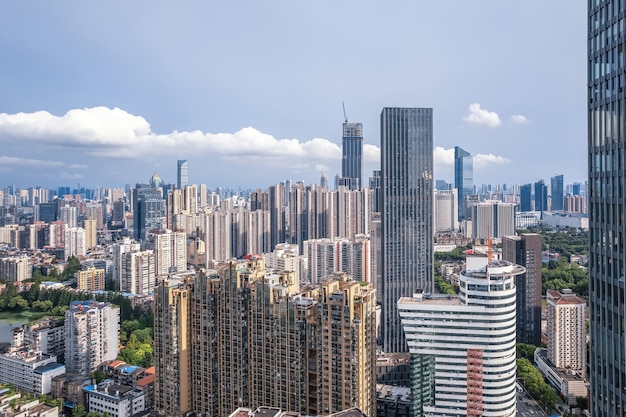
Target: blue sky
250, 92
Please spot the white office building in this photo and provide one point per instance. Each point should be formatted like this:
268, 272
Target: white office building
114, 400
29, 370
464, 346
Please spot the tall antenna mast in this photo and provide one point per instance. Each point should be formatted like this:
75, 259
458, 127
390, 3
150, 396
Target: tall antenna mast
345, 116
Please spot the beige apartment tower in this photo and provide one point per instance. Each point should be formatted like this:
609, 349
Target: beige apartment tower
172, 355
254, 337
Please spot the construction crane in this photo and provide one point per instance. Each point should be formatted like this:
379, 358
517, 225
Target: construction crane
345, 116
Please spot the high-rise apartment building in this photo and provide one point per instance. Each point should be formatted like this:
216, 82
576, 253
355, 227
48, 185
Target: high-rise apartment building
525, 250
91, 234
556, 193
75, 242
567, 336
15, 268
525, 197
541, 196
463, 178
607, 228
446, 211
182, 174
138, 272
463, 347
170, 249
172, 358
91, 335
492, 219
324, 257
352, 155
241, 336
407, 211
90, 279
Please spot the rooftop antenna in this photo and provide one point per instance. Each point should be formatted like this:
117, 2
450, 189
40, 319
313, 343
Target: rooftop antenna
345, 116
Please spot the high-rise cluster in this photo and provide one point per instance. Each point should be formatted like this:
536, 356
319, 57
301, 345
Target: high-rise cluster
240, 336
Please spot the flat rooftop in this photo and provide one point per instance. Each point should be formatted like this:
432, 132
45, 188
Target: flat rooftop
436, 299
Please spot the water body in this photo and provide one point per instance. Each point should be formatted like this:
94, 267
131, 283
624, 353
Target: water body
6, 325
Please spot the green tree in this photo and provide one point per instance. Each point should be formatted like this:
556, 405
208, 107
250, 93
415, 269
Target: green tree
79, 411
526, 351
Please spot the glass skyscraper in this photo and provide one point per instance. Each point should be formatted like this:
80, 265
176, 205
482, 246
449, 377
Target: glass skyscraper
182, 174
525, 197
463, 178
556, 192
352, 155
541, 196
607, 226
407, 213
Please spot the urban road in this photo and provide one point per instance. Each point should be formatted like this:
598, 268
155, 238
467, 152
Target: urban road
527, 406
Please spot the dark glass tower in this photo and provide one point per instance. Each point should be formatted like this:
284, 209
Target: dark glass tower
352, 155
525, 197
556, 192
525, 250
406, 136
541, 196
463, 178
607, 226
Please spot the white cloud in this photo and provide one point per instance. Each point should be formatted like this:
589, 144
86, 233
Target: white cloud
371, 154
115, 133
13, 161
519, 119
77, 166
482, 160
68, 176
443, 157
481, 117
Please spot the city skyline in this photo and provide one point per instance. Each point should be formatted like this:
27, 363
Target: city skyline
111, 104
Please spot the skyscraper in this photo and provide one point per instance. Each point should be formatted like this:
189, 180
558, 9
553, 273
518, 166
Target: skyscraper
541, 196
607, 229
463, 347
182, 174
525, 250
407, 212
463, 178
525, 197
556, 192
352, 154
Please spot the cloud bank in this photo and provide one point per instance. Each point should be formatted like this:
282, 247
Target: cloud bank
115, 133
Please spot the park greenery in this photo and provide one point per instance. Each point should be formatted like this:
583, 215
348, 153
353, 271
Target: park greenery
136, 321
535, 384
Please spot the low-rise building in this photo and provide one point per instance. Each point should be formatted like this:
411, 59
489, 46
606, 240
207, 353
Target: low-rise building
29, 371
114, 400
393, 401
568, 383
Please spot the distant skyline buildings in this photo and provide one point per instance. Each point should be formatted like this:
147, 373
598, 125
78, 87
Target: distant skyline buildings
406, 136
556, 193
463, 178
352, 155
182, 173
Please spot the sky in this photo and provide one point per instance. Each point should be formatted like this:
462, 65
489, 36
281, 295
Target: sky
250, 93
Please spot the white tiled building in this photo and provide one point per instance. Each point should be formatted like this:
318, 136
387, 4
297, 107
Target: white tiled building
464, 346
29, 371
114, 400
566, 330
91, 335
